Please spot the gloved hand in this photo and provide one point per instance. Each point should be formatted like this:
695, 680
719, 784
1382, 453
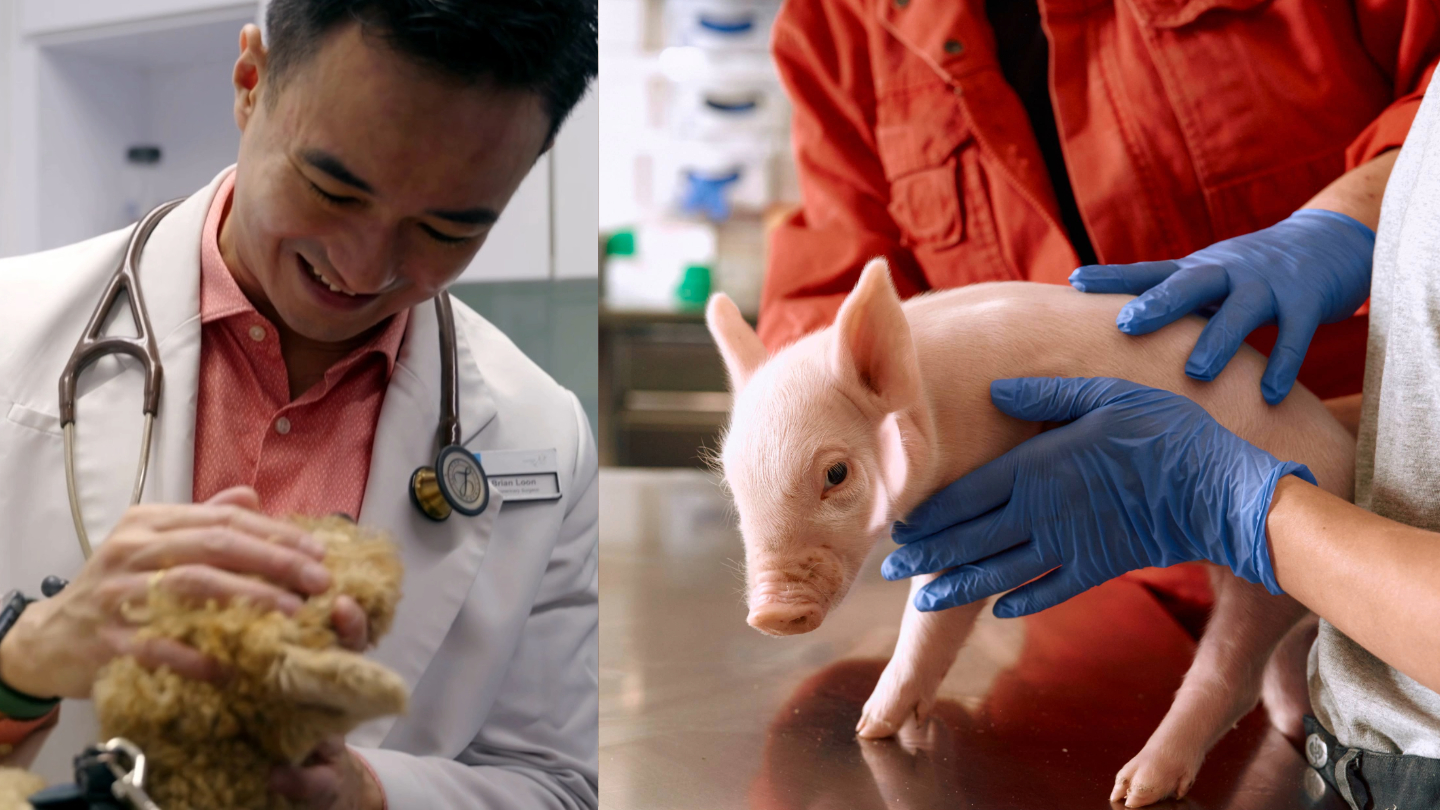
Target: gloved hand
1140, 478
1309, 269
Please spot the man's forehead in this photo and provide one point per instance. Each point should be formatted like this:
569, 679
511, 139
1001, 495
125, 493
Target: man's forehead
380, 114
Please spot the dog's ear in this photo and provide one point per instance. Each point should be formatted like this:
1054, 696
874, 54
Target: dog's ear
339, 680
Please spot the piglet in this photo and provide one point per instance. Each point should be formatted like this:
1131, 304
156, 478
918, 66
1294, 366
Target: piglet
840, 434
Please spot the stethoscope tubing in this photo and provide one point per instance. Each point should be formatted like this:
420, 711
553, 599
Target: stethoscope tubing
92, 346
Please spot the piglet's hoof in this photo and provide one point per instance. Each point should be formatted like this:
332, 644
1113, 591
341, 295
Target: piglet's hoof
1152, 776
894, 703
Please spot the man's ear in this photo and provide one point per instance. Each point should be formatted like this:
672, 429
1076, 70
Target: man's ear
250, 67
739, 346
873, 344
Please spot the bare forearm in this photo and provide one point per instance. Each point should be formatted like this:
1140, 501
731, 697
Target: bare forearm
1376, 580
1358, 192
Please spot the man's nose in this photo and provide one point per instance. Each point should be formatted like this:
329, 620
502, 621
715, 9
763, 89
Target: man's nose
366, 259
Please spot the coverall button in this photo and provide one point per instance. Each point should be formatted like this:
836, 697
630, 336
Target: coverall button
953, 46
1316, 751
902, 3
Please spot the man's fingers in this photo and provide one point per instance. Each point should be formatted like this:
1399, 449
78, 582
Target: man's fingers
1246, 310
200, 583
971, 583
351, 624
1046, 592
317, 785
185, 661
199, 516
1174, 298
1130, 279
233, 551
1293, 341
243, 497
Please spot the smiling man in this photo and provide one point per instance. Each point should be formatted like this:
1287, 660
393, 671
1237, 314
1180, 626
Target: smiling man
291, 305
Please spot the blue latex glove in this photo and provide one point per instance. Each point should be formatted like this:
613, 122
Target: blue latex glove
1309, 269
1140, 478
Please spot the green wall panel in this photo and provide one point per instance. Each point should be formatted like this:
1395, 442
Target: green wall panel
556, 324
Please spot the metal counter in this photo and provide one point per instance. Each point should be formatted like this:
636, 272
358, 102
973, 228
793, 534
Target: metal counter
700, 712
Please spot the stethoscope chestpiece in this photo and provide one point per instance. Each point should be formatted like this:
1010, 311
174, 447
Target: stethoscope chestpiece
456, 483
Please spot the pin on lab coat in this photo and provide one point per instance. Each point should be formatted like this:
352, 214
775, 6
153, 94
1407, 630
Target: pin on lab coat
497, 631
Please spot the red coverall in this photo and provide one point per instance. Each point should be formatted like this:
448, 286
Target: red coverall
1183, 122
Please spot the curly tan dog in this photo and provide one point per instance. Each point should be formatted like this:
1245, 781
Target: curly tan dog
290, 685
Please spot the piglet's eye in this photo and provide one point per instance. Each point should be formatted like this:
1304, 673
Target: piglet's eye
836, 474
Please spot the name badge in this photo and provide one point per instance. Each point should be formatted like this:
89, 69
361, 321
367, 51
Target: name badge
522, 475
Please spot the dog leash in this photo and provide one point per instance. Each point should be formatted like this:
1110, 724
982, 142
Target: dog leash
109, 776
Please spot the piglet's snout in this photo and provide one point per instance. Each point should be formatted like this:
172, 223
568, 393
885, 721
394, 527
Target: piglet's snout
777, 618
791, 600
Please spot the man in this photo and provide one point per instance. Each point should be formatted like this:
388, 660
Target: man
291, 303
1139, 476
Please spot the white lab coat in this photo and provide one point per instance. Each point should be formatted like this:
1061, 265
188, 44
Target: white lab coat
497, 631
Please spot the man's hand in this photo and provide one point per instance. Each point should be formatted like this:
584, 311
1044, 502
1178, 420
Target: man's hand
1139, 477
331, 778
206, 551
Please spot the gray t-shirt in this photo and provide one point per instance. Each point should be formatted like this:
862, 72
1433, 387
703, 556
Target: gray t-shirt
1364, 702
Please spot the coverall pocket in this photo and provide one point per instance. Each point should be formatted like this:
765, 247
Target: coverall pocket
926, 206
919, 134
1177, 13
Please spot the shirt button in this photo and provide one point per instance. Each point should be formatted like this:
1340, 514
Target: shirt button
953, 46
282, 426
257, 333
902, 3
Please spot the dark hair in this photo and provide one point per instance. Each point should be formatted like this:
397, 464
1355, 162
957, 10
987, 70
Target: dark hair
548, 47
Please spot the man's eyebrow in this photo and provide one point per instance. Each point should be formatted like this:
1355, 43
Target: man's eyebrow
469, 216
331, 165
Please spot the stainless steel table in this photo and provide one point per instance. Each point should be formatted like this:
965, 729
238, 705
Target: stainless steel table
699, 712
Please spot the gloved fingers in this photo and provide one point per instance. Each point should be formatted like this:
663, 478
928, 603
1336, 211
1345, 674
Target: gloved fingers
1247, 309
1046, 592
961, 544
971, 583
1296, 331
1130, 279
967, 498
1177, 296
1056, 399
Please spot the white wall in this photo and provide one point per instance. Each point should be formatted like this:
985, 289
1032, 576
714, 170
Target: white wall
82, 80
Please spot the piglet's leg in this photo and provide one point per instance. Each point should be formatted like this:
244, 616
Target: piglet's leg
1222, 685
928, 645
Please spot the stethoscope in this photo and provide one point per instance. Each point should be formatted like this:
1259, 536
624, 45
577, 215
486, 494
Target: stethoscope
455, 483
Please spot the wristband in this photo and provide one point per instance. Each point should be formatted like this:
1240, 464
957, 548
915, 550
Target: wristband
15, 704
13, 732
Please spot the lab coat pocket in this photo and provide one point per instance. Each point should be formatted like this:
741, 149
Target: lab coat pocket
926, 206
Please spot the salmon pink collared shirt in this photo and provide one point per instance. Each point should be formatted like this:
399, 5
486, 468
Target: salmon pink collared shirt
310, 456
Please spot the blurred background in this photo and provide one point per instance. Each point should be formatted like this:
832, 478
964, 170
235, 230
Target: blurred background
695, 130
108, 107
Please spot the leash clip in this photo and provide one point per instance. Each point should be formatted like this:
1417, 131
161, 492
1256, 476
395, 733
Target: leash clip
127, 763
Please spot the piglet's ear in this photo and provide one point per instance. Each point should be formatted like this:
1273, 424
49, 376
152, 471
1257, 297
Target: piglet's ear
739, 346
872, 342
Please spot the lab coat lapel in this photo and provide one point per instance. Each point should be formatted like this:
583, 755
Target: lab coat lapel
441, 559
109, 423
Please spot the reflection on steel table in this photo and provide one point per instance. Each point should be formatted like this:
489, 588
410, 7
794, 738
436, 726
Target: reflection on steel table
700, 712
